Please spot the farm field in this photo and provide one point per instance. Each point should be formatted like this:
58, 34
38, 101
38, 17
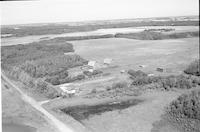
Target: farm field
172, 55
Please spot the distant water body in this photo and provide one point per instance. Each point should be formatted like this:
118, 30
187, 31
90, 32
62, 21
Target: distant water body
35, 38
11, 127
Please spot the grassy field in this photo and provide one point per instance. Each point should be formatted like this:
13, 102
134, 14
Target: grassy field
173, 55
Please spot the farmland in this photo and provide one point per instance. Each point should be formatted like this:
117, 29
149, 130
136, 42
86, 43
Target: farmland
130, 54
139, 90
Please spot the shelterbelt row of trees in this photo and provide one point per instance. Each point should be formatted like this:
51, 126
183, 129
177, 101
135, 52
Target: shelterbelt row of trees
32, 64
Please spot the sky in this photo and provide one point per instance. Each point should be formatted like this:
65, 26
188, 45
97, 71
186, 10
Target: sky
47, 11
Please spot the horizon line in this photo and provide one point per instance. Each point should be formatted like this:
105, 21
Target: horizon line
82, 21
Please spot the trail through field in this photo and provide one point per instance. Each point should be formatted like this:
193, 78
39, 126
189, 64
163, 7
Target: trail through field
61, 127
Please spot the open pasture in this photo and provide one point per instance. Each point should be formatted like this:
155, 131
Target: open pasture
173, 54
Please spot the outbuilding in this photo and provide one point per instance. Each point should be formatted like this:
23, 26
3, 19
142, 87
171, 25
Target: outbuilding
107, 61
91, 63
159, 69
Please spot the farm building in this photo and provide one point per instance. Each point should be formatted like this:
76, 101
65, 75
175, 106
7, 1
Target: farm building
94, 65
159, 69
91, 70
122, 71
107, 61
67, 91
91, 63
150, 75
142, 66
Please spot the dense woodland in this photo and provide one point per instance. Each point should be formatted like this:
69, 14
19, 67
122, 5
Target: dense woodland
34, 63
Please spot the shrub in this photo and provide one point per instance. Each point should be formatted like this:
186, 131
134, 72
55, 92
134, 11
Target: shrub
193, 68
121, 84
90, 74
140, 78
135, 74
79, 77
187, 105
94, 91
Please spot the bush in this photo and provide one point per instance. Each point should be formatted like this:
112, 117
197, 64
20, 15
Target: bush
187, 105
79, 77
56, 80
135, 74
121, 84
94, 91
90, 74
140, 78
193, 68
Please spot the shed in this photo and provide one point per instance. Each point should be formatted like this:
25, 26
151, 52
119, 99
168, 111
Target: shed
122, 71
149, 75
107, 61
142, 66
67, 91
91, 70
92, 63
159, 69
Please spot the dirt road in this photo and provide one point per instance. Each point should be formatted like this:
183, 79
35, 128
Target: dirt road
61, 127
99, 80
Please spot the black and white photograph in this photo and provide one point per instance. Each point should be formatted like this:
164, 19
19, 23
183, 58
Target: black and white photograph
100, 66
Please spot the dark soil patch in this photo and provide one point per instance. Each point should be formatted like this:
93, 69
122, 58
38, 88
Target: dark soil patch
82, 112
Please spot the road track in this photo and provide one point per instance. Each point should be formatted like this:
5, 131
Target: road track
60, 126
